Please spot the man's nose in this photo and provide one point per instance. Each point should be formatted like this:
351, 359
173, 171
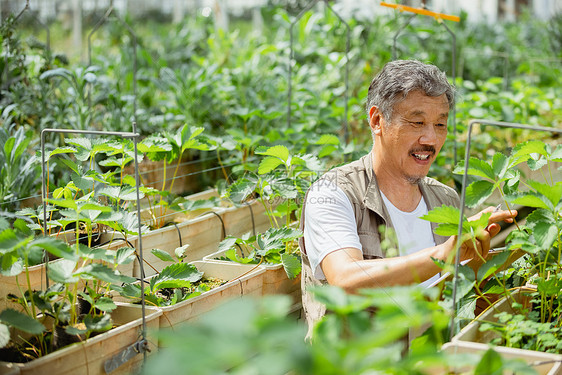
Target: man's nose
429, 135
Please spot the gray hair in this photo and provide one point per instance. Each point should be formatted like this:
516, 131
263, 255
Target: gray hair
398, 78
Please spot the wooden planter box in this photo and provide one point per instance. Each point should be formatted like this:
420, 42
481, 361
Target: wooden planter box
275, 281
152, 175
89, 357
202, 233
157, 215
243, 280
37, 274
546, 366
471, 334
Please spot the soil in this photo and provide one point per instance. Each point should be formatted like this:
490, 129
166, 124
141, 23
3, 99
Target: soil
211, 282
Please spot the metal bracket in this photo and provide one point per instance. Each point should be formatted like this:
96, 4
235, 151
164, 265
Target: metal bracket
139, 347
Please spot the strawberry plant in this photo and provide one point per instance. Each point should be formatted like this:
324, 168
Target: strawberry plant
177, 282
538, 237
280, 185
42, 312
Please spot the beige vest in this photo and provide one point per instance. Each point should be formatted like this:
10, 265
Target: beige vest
359, 183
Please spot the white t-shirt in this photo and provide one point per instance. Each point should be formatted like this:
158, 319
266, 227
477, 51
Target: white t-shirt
330, 225
413, 233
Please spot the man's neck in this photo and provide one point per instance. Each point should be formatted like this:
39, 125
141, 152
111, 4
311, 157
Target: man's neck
403, 194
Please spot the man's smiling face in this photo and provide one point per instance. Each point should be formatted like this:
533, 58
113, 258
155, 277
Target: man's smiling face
414, 136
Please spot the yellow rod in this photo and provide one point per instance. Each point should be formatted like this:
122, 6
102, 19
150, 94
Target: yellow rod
424, 12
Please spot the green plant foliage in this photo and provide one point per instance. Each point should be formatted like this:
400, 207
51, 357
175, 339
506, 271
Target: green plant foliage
347, 341
92, 268
539, 238
18, 169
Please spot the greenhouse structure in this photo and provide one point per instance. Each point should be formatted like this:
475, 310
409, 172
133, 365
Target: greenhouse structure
280, 187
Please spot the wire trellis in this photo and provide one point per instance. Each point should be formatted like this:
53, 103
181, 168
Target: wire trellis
110, 11
141, 346
308, 7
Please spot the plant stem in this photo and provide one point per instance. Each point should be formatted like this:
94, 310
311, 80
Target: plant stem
30, 290
222, 166
509, 209
24, 304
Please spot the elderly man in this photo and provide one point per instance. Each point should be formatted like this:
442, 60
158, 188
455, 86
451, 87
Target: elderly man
408, 105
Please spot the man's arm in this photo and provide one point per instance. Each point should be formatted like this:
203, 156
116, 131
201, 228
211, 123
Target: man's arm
347, 268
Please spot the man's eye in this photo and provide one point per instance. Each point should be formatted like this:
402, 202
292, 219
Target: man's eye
416, 123
441, 125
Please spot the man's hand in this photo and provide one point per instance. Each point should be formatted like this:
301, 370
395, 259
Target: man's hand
477, 249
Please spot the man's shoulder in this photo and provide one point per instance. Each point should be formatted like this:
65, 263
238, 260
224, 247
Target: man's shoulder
342, 173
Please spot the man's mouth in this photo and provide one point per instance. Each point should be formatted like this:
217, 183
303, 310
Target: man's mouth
423, 154
421, 157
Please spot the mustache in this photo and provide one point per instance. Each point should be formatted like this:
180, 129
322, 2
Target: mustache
423, 149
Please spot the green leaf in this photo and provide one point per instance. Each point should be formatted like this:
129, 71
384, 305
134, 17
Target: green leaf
59, 150
550, 287
105, 304
278, 151
56, 247
490, 364
500, 163
291, 264
62, 271
530, 200
557, 154
492, 265
21, 321
328, 139
552, 192
125, 255
523, 151
162, 255
98, 323
327, 150
536, 163
337, 300
443, 214
476, 167
545, 234
227, 244
268, 164
104, 273
477, 192
176, 276
274, 239
11, 264
66, 203
126, 193
241, 189
128, 290
4, 223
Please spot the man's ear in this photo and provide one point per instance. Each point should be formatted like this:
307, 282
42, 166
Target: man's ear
375, 118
